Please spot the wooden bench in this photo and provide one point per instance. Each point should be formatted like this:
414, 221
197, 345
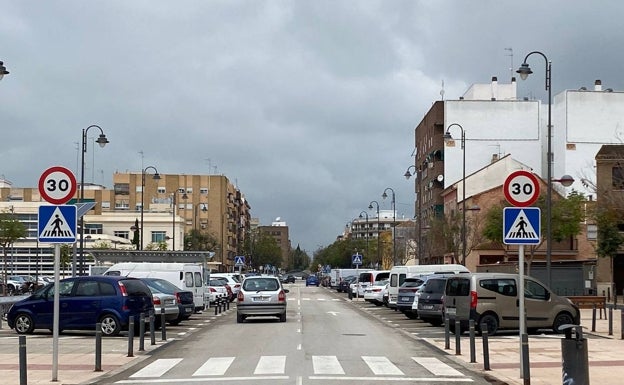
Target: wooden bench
589, 301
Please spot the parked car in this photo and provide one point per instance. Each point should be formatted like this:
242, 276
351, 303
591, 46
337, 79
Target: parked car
261, 296
430, 303
375, 294
84, 301
345, 284
492, 299
231, 279
406, 295
165, 301
184, 298
215, 289
312, 280
288, 278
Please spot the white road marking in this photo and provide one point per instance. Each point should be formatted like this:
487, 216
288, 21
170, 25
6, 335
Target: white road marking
391, 379
215, 366
157, 368
326, 365
382, 366
436, 366
271, 365
202, 379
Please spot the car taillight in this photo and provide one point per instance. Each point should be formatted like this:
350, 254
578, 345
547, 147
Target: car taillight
178, 299
237, 286
376, 290
156, 300
281, 297
122, 287
240, 296
213, 290
473, 299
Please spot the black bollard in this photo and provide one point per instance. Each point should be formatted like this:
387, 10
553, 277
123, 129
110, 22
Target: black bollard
473, 351
447, 334
215, 306
526, 368
610, 320
142, 332
594, 318
486, 347
457, 338
163, 324
227, 303
23, 365
131, 337
152, 328
98, 347
622, 324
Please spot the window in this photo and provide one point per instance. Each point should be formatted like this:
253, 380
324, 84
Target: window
93, 228
107, 289
189, 190
188, 279
161, 190
198, 280
87, 289
122, 234
121, 205
137, 206
617, 178
159, 236
122, 189
139, 188
592, 232
203, 190
106, 205
501, 286
533, 290
181, 190
458, 287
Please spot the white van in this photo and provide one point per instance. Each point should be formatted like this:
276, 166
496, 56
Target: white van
336, 275
399, 273
186, 276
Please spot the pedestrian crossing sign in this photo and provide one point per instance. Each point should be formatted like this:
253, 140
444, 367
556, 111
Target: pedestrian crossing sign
57, 224
356, 259
239, 260
521, 225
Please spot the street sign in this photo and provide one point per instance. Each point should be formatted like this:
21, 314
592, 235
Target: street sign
57, 224
521, 188
57, 185
239, 260
356, 259
521, 225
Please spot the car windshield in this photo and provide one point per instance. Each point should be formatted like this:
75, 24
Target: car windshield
383, 282
412, 282
435, 286
162, 285
260, 284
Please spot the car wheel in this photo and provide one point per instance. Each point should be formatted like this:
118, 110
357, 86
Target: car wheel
24, 324
562, 319
175, 322
240, 318
491, 323
411, 315
282, 317
110, 325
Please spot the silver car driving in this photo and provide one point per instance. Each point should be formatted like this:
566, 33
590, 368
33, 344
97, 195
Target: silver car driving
261, 296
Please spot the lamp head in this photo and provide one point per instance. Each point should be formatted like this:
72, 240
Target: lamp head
524, 71
3, 70
156, 176
370, 206
407, 174
447, 136
566, 180
384, 195
102, 140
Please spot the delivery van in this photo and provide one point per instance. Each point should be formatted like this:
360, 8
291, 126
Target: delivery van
186, 276
398, 274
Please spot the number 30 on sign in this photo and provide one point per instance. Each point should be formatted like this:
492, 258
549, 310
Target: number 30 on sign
57, 185
521, 188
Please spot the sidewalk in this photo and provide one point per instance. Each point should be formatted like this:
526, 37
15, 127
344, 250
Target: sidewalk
605, 352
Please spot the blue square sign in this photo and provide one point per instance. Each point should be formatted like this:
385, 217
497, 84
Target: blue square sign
521, 225
57, 224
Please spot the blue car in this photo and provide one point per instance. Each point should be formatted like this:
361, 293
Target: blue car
312, 280
84, 301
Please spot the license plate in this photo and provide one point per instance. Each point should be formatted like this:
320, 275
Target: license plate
261, 299
189, 309
451, 311
427, 307
404, 299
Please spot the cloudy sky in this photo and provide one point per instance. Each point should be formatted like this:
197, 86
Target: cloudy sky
308, 107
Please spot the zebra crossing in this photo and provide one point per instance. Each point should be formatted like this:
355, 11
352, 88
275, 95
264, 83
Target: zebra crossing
328, 368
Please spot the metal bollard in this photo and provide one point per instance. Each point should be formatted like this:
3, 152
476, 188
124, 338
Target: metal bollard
575, 363
622, 324
594, 319
131, 337
215, 306
142, 332
447, 334
152, 328
610, 320
486, 347
457, 338
473, 351
98, 347
23, 365
227, 303
163, 325
526, 368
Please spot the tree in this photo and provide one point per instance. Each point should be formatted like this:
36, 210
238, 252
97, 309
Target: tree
609, 221
300, 259
136, 237
266, 252
10, 231
196, 240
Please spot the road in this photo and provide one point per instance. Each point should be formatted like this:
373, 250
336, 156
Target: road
326, 340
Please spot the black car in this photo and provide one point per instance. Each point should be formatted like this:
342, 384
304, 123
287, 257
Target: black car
288, 279
345, 284
184, 297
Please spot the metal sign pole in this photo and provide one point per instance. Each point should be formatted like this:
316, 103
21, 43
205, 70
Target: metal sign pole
521, 314
55, 321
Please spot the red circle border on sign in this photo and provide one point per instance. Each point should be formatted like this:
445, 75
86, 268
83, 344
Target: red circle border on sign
72, 189
508, 181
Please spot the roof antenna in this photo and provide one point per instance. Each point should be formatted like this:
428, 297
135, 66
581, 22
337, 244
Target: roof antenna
442, 90
511, 69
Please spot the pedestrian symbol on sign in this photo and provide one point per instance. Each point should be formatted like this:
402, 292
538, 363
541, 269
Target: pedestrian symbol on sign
356, 259
521, 225
57, 224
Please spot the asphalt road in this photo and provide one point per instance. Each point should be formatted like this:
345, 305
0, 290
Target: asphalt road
326, 340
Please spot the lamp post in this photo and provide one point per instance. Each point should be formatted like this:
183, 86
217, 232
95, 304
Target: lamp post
417, 210
366, 234
370, 207
447, 137
384, 196
524, 72
101, 140
203, 209
173, 209
156, 176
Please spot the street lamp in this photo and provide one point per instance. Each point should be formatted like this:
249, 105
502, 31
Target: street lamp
447, 137
204, 208
370, 207
173, 209
417, 208
156, 176
384, 196
101, 140
524, 72
3, 70
366, 234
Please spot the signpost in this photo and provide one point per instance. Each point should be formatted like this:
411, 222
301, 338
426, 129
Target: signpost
57, 185
356, 259
521, 225
239, 261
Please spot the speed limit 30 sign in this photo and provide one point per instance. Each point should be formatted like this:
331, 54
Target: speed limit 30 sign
521, 188
57, 185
